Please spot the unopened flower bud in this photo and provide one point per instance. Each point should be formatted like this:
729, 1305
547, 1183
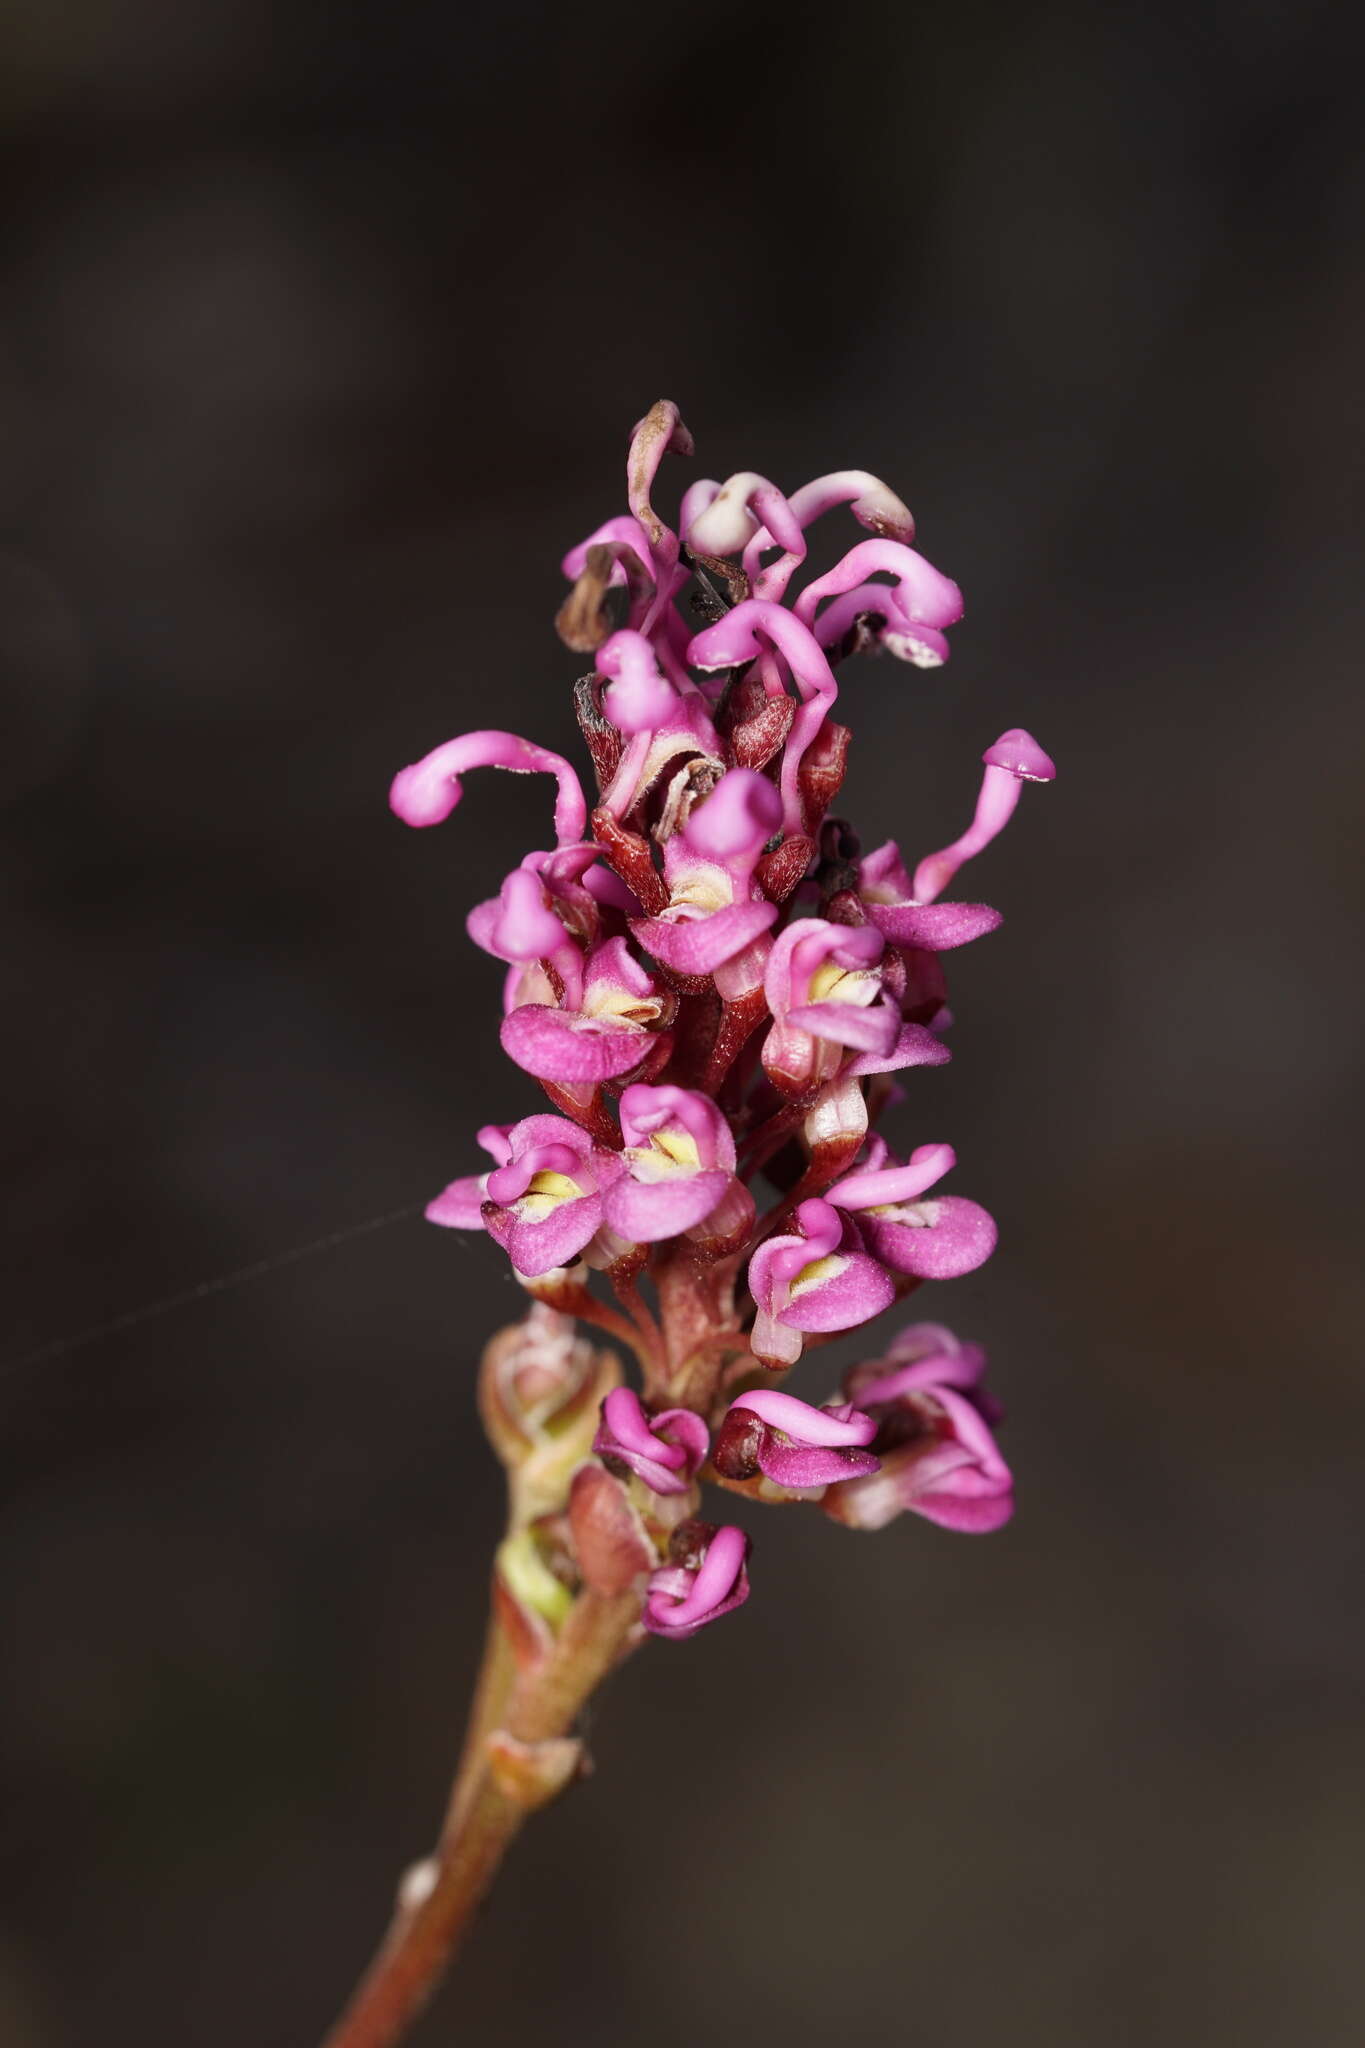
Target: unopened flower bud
540, 1389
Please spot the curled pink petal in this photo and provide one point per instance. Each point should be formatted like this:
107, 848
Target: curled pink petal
679, 1601
430, 789
558, 1045
649, 1212
646, 1110
459, 1206
666, 1451
939, 1239
936, 927
874, 1029
805, 1424
916, 1046
927, 1164
698, 945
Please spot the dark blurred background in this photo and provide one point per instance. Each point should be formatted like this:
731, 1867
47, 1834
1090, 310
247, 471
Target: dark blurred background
325, 330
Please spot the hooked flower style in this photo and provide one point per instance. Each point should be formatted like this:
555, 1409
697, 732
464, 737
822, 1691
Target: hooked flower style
712, 985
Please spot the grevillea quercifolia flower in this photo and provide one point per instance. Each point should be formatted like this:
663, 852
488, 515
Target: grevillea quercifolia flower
712, 983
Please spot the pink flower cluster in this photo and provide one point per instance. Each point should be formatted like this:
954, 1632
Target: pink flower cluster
713, 986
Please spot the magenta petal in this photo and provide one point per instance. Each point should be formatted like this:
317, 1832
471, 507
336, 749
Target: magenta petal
557, 1045
954, 1237
556, 1239
460, 1206
916, 1046
649, 1211
873, 1030
701, 944
859, 1291
937, 927
813, 1464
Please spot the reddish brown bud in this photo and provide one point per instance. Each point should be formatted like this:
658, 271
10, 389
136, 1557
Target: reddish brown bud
735, 1450
630, 856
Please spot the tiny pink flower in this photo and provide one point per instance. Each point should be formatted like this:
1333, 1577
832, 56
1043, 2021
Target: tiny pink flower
938, 1454
543, 1204
818, 1278
710, 1578
792, 1443
827, 994
666, 1451
603, 1027
675, 1175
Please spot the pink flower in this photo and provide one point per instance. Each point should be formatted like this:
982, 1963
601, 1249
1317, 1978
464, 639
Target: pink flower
819, 1278
938, 1454
602, 1027
708, 1577
544, 1203
832, 1011
666, 1451
675, 1175
936, 1239
792, 1443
